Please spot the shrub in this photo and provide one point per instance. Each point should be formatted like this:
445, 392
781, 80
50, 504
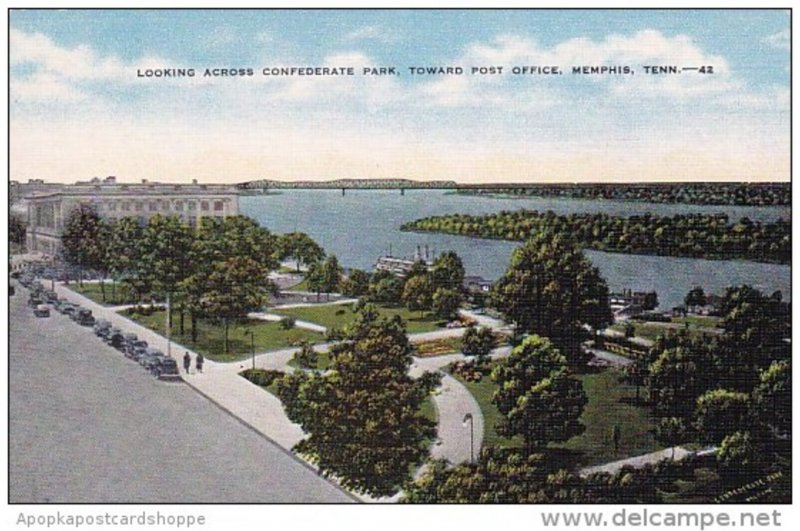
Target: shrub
287, 323
262, 377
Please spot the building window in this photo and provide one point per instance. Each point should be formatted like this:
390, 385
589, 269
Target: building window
139, 206
179, 206
126, 206
217, 206
203, 205
192, 205
153, 206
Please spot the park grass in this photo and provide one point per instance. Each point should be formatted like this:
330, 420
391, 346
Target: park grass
609, 404
700, 321
300, 286
91, 290
341, 315
210, 336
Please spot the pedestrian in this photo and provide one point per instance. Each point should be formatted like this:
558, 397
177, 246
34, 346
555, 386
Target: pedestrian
199, 362
616, 435
187, 361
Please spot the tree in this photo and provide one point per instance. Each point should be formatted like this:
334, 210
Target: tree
315, 277
671, 431
445, 303
306, 357
331, 275
721, 412
448, 272
536, 396
356, 284
302, 248
17, 229
384, 287
677, 376
362, 416
552, 290
236, 287
124, 253
695, 297
83, 239
418, 293
738, 456
478, 342
773, 399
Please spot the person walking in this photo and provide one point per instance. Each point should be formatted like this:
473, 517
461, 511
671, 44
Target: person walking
199, 362
187, 361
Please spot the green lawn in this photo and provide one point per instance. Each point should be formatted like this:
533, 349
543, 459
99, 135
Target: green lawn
210, 336
702, 321
340, 315
301, 286
92, 291
608, 406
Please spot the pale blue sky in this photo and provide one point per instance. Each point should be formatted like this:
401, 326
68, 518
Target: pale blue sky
74, 89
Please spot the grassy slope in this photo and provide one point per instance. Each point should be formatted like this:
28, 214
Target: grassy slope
340, 315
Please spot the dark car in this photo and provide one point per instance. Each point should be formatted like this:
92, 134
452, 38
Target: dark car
68, 309
99, 325
167, 370
41, 311
84, 317
150, 358
50, 296
114, 337
16, 274
128, 339
34, 301
136, 350
11, 291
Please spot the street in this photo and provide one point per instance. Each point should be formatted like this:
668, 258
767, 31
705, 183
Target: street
88, 425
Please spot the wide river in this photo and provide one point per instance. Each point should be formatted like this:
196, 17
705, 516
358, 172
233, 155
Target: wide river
365, 224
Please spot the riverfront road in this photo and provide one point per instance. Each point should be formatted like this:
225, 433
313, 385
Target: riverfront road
88, 425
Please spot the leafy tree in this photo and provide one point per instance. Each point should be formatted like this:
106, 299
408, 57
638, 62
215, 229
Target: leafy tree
773, 398
417, 268
17, 229
448, 272
671, 431
418, 293
677, 377
315, 276
124, 251
384, 287
306, 357
756, 328
445, 303
302, 248
720, 413
552, 290
83, 239
478, 342
695, 297
536, 395
331, 275
738, 456
363, 417
356, 284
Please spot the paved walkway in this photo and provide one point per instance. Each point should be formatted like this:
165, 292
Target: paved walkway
639, 461
614, 359
312, 304
275, 318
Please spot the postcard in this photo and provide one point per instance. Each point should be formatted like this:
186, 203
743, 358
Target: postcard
415, 256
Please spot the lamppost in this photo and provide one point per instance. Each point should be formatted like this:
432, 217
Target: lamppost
468, 417
252, 345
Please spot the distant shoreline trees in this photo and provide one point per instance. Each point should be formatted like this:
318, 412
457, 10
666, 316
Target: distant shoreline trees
709, 236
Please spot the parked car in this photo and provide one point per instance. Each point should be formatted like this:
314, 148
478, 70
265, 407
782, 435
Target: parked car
69, 309
11, 291
84, 317
128, 339
148, 357
114, 337
50, 296
34, 301
167, 370
99, 325
41, 311
135, 349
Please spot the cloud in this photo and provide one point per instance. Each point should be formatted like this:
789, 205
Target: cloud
372, 33
781, 40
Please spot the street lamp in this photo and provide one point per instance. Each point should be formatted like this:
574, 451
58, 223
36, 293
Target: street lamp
252, 345
468, 417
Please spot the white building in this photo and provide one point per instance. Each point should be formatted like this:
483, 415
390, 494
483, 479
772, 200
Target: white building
48, 211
